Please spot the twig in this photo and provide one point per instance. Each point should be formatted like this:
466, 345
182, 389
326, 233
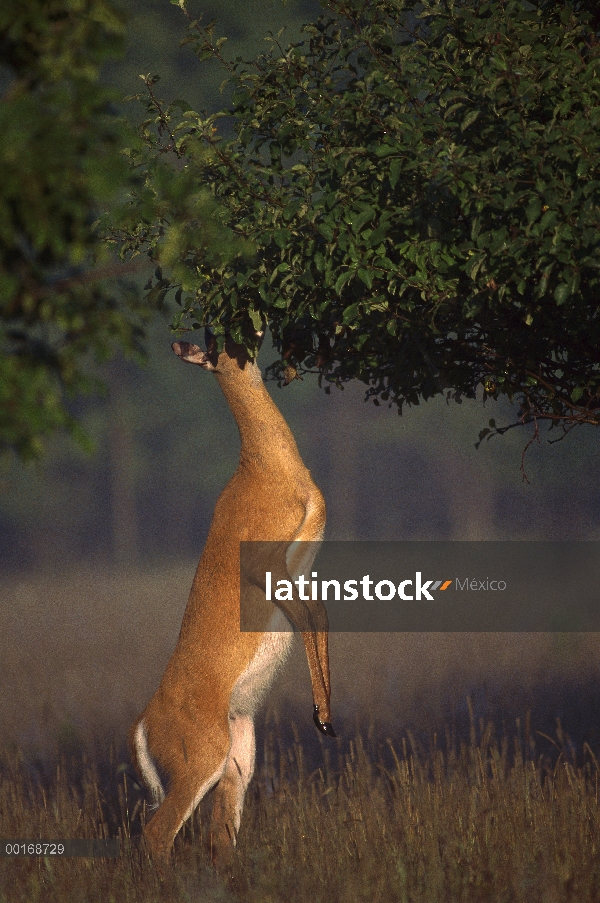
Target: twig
164, 122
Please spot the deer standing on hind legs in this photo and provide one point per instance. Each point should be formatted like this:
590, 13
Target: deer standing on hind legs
198, 728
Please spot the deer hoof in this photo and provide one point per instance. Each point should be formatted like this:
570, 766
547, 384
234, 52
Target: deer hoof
323, 726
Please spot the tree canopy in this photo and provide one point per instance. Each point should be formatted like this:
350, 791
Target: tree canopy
421, 187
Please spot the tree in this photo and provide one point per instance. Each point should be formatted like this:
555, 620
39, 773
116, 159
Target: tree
60, 161
63, 165
422, 188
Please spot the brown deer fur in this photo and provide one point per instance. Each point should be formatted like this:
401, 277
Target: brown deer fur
198, 727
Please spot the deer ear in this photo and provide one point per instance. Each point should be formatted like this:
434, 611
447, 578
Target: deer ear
193, 354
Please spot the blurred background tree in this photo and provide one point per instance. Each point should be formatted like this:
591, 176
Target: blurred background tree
61, 163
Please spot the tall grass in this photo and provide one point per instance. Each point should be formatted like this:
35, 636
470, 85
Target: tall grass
484, 819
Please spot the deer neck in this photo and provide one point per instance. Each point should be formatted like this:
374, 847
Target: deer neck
267, 442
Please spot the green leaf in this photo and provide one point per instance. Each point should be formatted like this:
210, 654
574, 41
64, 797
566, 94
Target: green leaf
378, 235
256, 318
342, 280
350, 314
562, 292
475, 266
582, 168
395, 170
452, 109
469, 119
534, 208
358, 220
291, 210
549, 218
282, 237
574, 282
326, 230
366, 276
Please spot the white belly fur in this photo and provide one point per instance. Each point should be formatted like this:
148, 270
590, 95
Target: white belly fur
253, 683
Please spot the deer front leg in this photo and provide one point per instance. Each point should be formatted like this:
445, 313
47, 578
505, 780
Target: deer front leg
308, 616
311, 615
322, 716
315, 644
320, 684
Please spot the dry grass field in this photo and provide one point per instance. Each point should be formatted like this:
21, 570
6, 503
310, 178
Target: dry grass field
486, 820
452, 779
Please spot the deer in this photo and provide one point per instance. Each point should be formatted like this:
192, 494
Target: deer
198, 728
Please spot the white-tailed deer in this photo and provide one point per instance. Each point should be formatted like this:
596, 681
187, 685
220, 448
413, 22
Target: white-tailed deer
198, 728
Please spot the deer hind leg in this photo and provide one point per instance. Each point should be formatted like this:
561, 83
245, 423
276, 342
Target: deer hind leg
194, 769
231, 789
144, 765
